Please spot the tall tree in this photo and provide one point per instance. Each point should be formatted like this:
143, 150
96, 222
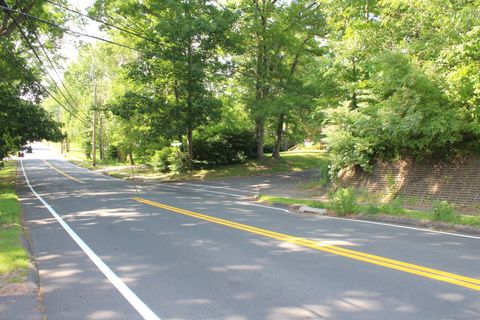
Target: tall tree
182, 57
21, 90
277, 35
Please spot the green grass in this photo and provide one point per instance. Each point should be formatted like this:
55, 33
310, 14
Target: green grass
467, 220
13, 257
289, 162
76, 155
9, 207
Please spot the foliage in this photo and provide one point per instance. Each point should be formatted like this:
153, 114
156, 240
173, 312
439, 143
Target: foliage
22, 121
444, 211
407, 116
178, 161
393, 207
370, 79
223, 146
182, 62
468, 220
344, 202
278, 39
21, 117
160, 160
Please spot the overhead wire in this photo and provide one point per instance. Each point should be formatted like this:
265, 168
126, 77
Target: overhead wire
29, 73
106, 23
40, 61
67, 30
77, 107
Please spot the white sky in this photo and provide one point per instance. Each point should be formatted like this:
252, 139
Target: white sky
69, 49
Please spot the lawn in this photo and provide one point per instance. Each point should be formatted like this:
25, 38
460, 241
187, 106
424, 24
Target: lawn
288, 162
13, 257
76, 154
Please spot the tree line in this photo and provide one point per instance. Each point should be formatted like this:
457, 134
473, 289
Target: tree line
230, 80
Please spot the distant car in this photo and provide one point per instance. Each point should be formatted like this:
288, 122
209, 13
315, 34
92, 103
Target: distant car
29, 149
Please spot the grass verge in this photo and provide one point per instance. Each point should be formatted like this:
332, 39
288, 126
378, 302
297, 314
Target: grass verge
289, 162
13, 257
385, 209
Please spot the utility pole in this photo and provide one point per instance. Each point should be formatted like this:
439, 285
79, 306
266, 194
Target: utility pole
94, 130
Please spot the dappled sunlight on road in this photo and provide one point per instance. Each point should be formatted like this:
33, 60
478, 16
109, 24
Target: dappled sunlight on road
180, 263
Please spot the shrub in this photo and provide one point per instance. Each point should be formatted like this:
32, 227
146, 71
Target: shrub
393, 207
160, 160
444, 211
178, 161
112, 152
325, 176
223, 146
371, 210
343, 201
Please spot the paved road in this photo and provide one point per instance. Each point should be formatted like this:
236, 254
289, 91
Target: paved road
180, 251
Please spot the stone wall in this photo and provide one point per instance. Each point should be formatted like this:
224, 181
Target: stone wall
457, 182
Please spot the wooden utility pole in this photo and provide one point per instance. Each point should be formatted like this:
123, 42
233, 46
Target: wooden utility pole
94, 130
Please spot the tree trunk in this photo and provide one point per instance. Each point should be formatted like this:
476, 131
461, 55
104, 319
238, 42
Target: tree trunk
130, 157
278, 136
260, 134
100, 138
190, 143
286, 137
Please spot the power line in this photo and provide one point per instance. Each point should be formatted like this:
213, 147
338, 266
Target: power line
52, 65
40, 60
53, 24
39, 84
108, 24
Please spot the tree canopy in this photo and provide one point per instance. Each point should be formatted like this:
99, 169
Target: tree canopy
367, 79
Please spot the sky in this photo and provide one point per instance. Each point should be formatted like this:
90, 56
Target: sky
69, 50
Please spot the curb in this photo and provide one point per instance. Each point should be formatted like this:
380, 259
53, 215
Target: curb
425, 224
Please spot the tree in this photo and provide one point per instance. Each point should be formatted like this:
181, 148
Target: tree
278, 37
21, 117
182, 59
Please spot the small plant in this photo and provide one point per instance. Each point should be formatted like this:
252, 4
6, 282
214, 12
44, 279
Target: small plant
178, 162
343, 201
371, 210
391, 186
444, 211
160, 160
390, 180
325, 177
393, 207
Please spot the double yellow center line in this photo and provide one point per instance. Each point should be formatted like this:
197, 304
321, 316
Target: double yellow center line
63, 173
439, 275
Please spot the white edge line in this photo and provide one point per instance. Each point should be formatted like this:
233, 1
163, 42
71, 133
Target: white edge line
336, 218
210, 191
131, 297
216, 187
262, 206
405, 227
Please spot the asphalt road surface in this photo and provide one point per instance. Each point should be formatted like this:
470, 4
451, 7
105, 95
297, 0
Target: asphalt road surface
107, 249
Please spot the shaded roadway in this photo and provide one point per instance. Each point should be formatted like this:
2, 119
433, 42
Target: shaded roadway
186, 268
